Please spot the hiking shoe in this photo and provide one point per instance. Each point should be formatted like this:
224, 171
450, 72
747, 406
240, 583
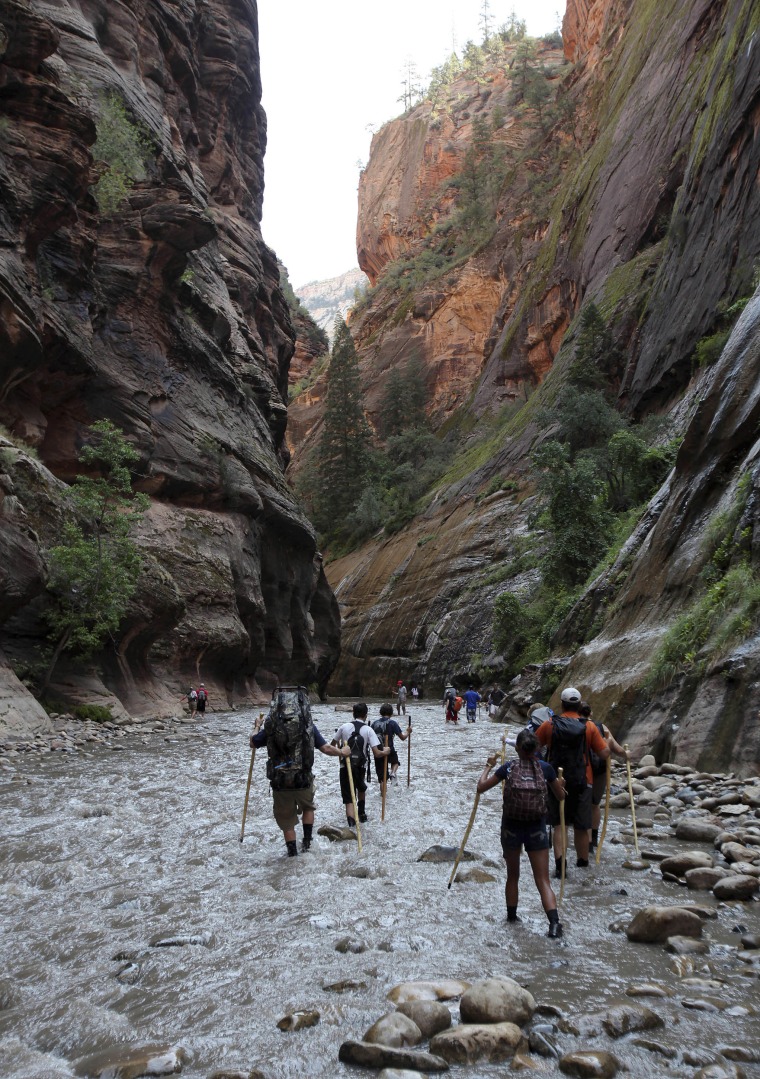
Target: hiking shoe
516, 918
555, 930
558, 869
292, 848
582, 863
305, 844
363, 818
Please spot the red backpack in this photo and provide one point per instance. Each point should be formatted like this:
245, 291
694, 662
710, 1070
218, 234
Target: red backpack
525, 791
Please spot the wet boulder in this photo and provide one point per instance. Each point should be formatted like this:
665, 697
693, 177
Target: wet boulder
430, 1015
394, 1029
446, 989
350, 946
694, 830
686, 946
125, 1063
336, 835
653, 925
703, 879
497, 1000
474, 875
736, 886
298, 1020
736, 852
469, 1043
678, 864
365, 1055
626, 1018
438, 853
590, 1064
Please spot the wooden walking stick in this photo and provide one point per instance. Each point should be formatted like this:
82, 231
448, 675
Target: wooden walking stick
460, 852
409, 755
248, 785
385, 780
564, 842
630, 794
606, 813
503, 754
353, 802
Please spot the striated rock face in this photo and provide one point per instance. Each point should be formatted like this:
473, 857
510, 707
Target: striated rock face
165, 317
325, 300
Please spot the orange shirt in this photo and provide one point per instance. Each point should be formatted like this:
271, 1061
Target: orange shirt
594, 739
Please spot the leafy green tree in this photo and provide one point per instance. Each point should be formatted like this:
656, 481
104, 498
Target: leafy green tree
94, 569
124, 147
597, 358
343, 453
510, 623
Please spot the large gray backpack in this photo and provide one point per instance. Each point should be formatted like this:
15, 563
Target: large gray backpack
290, 739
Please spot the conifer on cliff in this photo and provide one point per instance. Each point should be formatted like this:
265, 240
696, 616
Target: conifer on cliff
343, 454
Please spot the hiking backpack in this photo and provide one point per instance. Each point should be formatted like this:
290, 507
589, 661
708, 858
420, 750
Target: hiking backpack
598, 766
202, 695
525, 791
569, 751
290, 739
380, 727
359, 757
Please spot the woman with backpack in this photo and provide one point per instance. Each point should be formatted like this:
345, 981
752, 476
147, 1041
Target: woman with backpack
527, 781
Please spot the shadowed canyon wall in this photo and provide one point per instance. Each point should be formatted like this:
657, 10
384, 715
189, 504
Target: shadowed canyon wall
648, 203
166, 317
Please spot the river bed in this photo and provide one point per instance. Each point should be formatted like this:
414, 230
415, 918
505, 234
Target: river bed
106, 853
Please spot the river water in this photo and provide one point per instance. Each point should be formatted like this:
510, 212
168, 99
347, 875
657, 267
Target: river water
105, 853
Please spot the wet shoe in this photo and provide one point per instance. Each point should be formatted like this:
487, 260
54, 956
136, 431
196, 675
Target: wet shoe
305, 844
582, 863
363, 818
516, 918
292, 848
558, 869
555, 930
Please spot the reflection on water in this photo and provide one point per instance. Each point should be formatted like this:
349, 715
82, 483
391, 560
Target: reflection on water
105, 854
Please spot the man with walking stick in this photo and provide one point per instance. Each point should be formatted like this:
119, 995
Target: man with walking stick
291, 737
388, 727
359, 738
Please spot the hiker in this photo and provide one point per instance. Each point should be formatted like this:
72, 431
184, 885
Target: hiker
202, 697
192, 700
401, 699
537, 713
415, 693
599, 771
523, 823
570, 740
291, 737
360, 738
472, 699
495, 698
449, 696
386, 725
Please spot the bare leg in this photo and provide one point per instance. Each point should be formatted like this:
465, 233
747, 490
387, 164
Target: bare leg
511, 889
581, 837
539, 863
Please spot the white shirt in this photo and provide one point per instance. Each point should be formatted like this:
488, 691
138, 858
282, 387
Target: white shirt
345, 732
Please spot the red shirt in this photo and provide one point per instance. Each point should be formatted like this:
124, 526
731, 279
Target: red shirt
594, 739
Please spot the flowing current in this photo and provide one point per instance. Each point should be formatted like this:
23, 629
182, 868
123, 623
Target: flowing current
105, 854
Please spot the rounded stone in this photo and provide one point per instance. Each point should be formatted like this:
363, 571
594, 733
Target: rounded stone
497, 1000
299, 1020
394, 1029
430, 1015
653, 925
686, 946
590, 1064
737, 886
447, 989
679, 864
694, 830
469, 1043
703, 879
625, 1018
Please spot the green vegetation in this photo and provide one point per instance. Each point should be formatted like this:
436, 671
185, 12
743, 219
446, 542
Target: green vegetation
94, 569
125, 149
98, 713
314, 334
728, 608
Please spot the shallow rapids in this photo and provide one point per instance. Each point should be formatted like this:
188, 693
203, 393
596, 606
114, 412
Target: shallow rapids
105, 854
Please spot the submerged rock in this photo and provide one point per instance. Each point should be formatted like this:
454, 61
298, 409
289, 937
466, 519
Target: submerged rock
624, 1018
438, 853
590, 1064
474, 875
497, 1000
448, 989
298, 1020
336, 835
124, 1063
686, 946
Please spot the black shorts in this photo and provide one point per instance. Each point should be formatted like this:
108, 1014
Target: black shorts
577, 808
201, 706
360, 784
392, 759
531, 834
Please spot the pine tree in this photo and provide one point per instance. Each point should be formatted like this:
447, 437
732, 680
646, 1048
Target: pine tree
343, 454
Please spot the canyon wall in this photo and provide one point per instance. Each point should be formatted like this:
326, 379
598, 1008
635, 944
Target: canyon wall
653, 212
164, 315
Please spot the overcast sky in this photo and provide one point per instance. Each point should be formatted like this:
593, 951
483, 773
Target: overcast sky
332, 72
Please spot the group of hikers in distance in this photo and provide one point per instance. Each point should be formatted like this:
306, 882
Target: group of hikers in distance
197, 699
559, 777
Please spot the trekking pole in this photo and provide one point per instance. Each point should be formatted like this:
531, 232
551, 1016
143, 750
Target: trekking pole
385, 780
409, 755
247, 792
503, 754
564, 842
606, 813
630, 795
460, 852
353, 803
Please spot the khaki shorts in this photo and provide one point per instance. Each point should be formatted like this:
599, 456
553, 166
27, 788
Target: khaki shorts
289, 805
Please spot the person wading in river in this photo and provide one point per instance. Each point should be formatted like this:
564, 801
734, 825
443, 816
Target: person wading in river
523, 822
599, 769
570, 738
291, 737
360, 739
384, 727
